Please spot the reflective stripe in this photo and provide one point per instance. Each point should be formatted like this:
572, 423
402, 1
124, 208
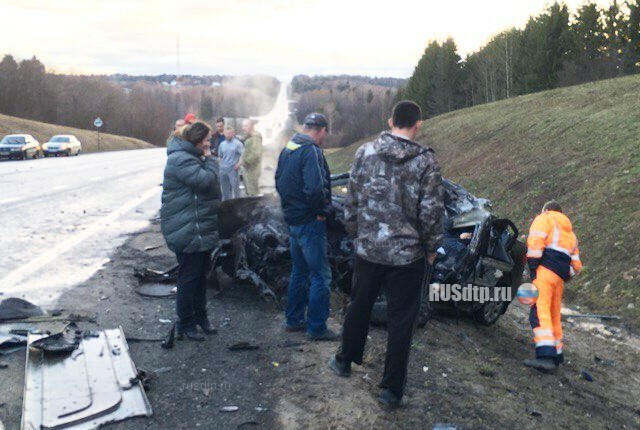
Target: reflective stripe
544, 343
292, 146
538, 233
575, 257
572, 271
542, 332
534, 253
559, 249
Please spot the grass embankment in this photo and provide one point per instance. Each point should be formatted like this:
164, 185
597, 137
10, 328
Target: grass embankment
579, 145
43, 132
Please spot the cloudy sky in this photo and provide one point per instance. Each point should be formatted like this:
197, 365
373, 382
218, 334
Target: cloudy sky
277, 37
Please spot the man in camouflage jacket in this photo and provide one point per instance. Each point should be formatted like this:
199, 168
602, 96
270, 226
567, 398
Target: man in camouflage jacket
251, 160
394, 211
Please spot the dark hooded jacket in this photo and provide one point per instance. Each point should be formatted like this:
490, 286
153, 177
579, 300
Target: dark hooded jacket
394, 207
303, 181
190, 199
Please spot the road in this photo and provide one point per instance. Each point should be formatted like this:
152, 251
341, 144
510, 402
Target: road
277, 120
60, 218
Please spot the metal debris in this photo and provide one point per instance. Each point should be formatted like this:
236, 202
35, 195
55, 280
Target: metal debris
243, 346
13, 308
170, 339
228, 409
10, 343
85, 390
156, 289
65, 341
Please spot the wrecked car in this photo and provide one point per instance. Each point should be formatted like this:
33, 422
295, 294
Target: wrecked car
479, 248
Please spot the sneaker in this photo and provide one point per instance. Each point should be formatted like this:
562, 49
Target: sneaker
544, 364
327, 335
340, 368
389, 400
295, 328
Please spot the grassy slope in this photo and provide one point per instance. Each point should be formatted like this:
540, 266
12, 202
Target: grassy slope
43, 132
580, 145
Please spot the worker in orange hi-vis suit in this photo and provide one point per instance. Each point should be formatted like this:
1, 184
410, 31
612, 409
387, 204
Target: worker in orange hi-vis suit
553, 258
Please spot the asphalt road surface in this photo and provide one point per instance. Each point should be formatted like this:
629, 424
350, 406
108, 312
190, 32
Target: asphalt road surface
61, 217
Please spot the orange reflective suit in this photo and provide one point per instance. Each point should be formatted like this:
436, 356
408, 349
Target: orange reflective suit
553, 258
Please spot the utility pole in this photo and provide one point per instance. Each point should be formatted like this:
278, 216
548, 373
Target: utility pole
178, 58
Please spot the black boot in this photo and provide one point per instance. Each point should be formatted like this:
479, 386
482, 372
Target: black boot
544, 363
389, 400
340, 368
191, 334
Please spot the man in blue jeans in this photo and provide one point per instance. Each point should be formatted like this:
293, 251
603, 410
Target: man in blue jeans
304, 184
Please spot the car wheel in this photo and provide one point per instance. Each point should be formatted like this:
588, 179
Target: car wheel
379, 312
489, 312
24, 155
78, 153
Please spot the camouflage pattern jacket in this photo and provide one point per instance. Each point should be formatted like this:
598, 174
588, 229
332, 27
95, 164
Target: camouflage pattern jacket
252, 154
394, 208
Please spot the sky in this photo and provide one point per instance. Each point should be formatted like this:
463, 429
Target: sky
238, 37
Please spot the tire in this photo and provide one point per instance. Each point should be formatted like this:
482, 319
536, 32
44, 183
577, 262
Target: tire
24, 155
379, 313
78, 153
490, 312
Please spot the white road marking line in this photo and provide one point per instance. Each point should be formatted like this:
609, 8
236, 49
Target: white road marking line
11, 281
10, 200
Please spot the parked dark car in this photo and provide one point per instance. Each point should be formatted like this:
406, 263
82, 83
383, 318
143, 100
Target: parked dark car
254, 248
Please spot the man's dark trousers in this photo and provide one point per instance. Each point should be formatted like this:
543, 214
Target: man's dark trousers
402, 286
191, 299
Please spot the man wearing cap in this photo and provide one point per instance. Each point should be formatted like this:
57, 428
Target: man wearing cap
304, 184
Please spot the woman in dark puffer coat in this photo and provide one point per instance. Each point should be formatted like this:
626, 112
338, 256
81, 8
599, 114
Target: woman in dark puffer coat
189, 222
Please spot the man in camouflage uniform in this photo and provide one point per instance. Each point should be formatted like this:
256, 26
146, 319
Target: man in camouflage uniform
394, 211
251, 160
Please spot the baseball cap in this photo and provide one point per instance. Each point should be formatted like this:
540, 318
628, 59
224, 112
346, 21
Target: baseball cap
316, 119
189, 118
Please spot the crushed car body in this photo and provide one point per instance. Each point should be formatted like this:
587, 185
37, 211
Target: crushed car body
254, 248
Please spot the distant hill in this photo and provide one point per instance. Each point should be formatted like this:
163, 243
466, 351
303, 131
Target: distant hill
43, 131
579, 145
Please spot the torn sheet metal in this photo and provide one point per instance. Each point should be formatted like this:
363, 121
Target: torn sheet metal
13, 308
94, 385
156, 289
63, 342
11, 343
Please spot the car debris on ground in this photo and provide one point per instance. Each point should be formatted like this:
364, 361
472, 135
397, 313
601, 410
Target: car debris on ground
83, 388
13, 308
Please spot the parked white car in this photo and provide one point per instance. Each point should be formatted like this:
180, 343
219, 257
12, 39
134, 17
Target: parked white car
62, 144
21, 146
